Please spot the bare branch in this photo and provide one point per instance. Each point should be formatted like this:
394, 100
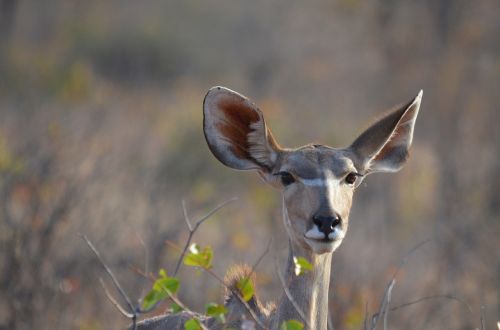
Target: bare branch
404, 260
290, 297
384, 304
217, 208
388, 291
186, 218
146, 262
482, 318
442, 296
134, 311
114, 302
262, 255
388, 301
110, 273
365, 322
192, 230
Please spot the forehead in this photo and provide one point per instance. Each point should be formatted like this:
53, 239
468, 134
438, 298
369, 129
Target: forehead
312, 161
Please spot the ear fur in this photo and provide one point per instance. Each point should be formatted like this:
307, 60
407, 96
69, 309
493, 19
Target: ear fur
236, 132
385, 145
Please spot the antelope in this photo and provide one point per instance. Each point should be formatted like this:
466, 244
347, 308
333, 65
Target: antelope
317, 183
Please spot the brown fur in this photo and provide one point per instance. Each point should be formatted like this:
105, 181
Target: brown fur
236, 127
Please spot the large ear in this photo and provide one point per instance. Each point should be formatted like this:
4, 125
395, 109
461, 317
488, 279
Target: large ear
236, 132
385, 145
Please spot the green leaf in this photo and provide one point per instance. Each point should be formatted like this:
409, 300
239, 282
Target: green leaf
199, 258
245, 287
175, 308
162, 287
192, 324
151, 299
217, 311
292, 325
302, 266
170, 284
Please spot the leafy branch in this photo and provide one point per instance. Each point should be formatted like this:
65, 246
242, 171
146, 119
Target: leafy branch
198, 223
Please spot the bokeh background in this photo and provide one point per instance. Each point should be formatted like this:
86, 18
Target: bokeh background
101, 134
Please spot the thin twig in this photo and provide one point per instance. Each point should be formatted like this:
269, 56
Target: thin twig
290, 297
482, 318
365, 322
186, 217
390, 286
192, 229
386, 310
133, 311
262, 255
146, 262
114, 302
110, 273
383, 305
444, 296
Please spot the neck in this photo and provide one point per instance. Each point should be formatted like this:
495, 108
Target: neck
309, 291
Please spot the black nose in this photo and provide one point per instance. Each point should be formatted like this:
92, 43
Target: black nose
326, 223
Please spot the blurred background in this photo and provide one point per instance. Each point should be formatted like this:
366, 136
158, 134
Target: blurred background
101, 134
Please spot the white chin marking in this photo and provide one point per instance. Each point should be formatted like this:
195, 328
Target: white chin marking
336, 234
318, 243
314, 233
321, 247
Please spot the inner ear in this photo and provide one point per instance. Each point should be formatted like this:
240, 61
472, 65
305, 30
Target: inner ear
236, 131
385, 145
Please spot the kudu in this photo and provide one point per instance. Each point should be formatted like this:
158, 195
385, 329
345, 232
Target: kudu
317, 183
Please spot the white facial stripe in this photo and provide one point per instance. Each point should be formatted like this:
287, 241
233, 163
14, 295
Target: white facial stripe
317, 182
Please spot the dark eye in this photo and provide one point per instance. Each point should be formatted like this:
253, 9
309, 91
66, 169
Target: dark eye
351, 178
286, 178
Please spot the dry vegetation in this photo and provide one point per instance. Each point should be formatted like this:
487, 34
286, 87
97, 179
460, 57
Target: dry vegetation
100, 133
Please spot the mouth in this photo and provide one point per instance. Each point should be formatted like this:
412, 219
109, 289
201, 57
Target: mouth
315, 235
324, 240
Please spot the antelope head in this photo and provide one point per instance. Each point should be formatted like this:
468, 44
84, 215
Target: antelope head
317, 182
